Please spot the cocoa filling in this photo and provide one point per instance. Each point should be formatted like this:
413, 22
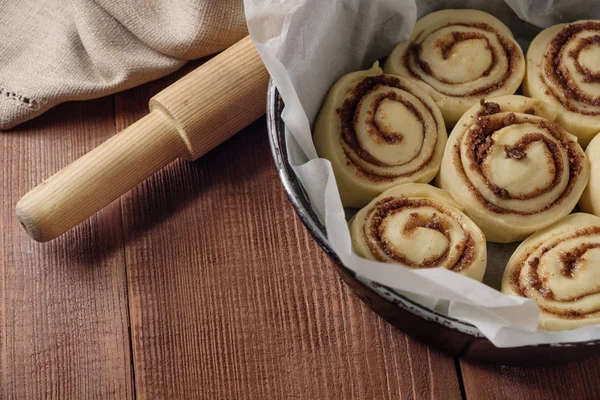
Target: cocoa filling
555, 70
479, 143
412, 56
373, 233
570, 263
348, 114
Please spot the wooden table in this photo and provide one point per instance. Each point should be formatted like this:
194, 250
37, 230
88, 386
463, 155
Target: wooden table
203, 283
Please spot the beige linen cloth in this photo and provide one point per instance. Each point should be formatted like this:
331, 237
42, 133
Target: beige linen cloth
52, 51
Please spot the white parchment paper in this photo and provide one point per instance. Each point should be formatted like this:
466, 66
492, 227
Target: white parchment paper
306, 46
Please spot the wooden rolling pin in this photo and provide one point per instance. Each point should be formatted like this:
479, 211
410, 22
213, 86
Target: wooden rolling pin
186, 120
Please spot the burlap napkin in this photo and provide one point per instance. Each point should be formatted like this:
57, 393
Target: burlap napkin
52, 51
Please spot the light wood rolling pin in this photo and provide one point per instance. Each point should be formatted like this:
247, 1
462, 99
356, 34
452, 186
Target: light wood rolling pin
186, 120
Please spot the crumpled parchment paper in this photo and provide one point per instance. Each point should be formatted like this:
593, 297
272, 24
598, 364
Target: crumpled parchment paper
306, 46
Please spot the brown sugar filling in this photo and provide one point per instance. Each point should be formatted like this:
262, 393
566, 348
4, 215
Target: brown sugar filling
570, 258
569, 264
413, 57
348, 115
373, 233
488, 108
555, 71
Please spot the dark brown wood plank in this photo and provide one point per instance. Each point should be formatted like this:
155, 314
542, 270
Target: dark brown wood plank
578, 380
63, 315
231, 298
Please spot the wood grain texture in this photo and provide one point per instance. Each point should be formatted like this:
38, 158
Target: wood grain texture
99, 177
218, 99
578, 380
63, 314
189, 118
230, 297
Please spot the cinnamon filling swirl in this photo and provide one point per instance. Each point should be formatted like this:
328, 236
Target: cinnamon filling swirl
515, 172
381, 131
419, 226
446, 44
477, 151
559, 274
567, 49
423, 213
459, 57
378, 131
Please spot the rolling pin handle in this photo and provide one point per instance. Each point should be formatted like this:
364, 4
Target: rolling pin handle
187, 119
99, 177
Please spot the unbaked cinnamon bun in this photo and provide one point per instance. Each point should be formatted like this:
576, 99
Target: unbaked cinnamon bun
419, 226
513, 170
459, 57
378, 131
558, 269
563, 69
590, 199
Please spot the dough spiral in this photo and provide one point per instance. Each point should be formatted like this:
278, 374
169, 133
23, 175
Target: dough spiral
419, 226
590, 200
563, 69
459, 57
513, 170
378, 131
558, 269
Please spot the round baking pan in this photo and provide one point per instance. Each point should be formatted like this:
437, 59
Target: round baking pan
454, 337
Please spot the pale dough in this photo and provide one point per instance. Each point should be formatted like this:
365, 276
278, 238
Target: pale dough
378, 131
514, 171
558, 268
590, 200
460, 57
419, 226
554, 74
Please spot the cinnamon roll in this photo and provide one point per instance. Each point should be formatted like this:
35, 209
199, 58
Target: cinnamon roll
459, 57
563, 69
558, 269
378, 131
590, 200
419, 226
513, 169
